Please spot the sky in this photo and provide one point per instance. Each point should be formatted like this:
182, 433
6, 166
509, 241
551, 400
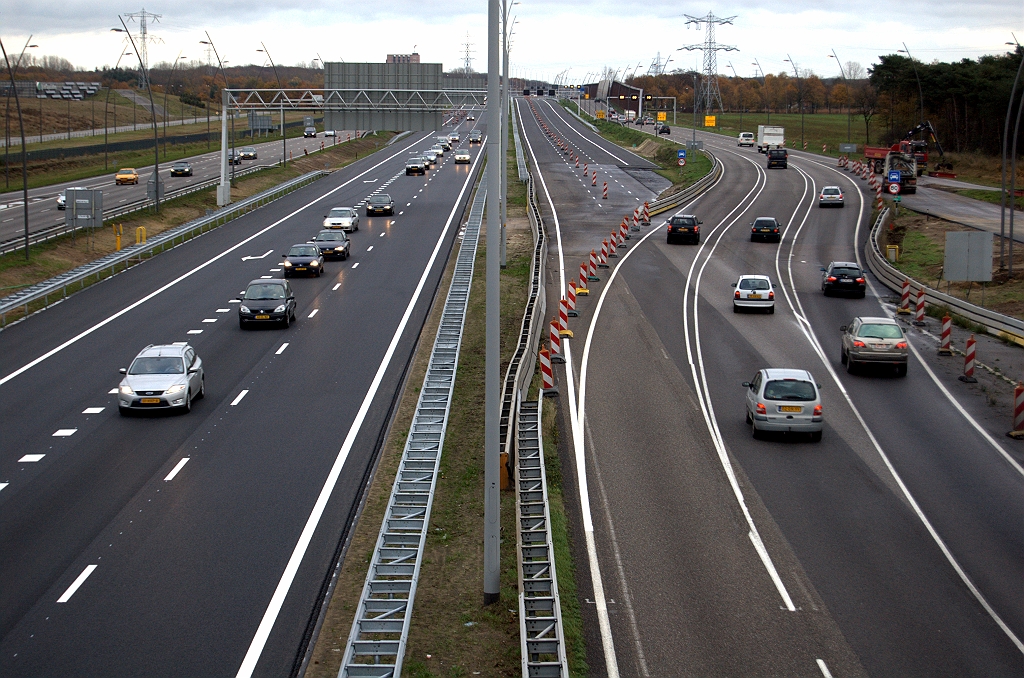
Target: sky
549, 36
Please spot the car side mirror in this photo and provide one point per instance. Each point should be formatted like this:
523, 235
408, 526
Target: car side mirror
842, 328
822, 268
193, 370
733, 285
700, 222
292, 298
123, 370
284, 255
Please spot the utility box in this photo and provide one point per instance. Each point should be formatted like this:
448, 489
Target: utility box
83, 208
260, 124
968, 257
154, 187
847, 148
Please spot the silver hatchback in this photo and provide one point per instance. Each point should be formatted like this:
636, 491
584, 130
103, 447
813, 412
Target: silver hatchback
162, 377
878, 341
785, 401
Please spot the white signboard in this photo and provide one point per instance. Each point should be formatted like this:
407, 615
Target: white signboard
968, 256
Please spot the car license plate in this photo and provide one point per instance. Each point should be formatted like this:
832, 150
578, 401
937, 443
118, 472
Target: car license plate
150, 401
880, 347
263, 317
791, 408
300, 268
753, 296
846, 281
766, 230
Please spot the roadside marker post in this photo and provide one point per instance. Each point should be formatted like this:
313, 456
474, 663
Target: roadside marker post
570, 296
593, 182
1018, 412
905, 298
968, 376
919, 313
547, 376
944, 348
592, 269
555, 343
621, 238
604, 193
646, 221
611, 246
602, 261
624, 228
583, 289
577, 163
563, 318
636, 220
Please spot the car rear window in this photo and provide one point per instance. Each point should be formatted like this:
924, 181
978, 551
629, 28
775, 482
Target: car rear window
843, 270
880, 331
832, 191
264, 291
683, 221
754, 284
775, 152
789, 389
764, 223
157, 365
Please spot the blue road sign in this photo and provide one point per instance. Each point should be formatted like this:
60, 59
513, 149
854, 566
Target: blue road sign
894, 176
681, 154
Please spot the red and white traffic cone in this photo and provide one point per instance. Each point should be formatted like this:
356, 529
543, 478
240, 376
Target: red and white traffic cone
570, 296
577, 163
944, 347
1018, 408
919, 312
563, 318
968, 375
646, 215
824, 149
547, 376
592, 269
636, 221
585, 170
604, 191
905, 298
602, 260
555, 343
624, 228
593, 182
611, 246
583, 289
619, 241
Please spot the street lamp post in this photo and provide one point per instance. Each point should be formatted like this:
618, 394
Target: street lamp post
156, 133
800, 90
739, 91
7, 117
1002, 198
849, 108
764, 86
284, 134
105, 106
505, 100
920, 92
170, 81
21, 127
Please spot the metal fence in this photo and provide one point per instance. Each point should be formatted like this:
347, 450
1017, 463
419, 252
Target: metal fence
692, 191
380, 629
58, 288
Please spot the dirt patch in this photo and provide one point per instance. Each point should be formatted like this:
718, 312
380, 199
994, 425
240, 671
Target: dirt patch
648, 149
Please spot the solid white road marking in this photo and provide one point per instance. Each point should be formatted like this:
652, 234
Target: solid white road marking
313, 313
95, 410
64, 432
195, 331
30, 458
252, 656
239, 397
336, 286
355, 265
112, 391
824, 669
75, 584
3, 485
177, 467
281, 350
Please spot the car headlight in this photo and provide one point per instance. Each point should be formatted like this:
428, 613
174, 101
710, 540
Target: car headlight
127, 390
244, 309
314, 263
287, 264
339, 248
177, 388
279, 309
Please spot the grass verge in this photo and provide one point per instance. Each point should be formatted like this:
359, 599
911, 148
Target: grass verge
63, 254
922, 241
992, 197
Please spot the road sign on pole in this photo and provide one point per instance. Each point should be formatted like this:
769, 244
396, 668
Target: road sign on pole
894, 188
894, 176
681, 156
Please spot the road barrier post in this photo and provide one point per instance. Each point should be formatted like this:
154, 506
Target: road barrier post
624, 228
604, 192
577, 163
570, 296
611, 246
140, 235
968, 375
555, 343
944, 348
1018, 409
547, 380
563, 318
592, 269
586, 171
905, 298
583, 289
919, 313
636, 220
602, 261
593, 182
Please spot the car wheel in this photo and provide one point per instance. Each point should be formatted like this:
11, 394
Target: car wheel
752, 238
124, 411
753, 430
202, 389
816, 437
735, 308
771, 310
287, 321
825, 292
861, 295
749, 420
241, 324
842, 357
188, 402
901, 370
851, 367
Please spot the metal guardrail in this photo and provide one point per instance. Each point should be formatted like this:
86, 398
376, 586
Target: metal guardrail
687, 194
119, 261
520, 158
541, 637
380, 629
995, 323
580, 118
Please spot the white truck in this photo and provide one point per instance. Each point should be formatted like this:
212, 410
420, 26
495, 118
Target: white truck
770, 136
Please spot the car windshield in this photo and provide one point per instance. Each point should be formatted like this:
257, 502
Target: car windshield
302, 251
127, 170
340, 212
755, 284
765, 223
264, 292
880, 331
380, 199
683, 221
248, 149
331, 235
159, 365
789, 389
180, 164
832, 191
842, 270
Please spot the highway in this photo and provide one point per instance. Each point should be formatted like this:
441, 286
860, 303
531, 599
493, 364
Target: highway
892, 547
43, 212
200, 544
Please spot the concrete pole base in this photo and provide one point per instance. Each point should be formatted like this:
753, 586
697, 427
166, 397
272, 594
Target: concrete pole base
223, 194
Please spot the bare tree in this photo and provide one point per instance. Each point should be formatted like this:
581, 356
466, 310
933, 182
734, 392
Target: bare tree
865, 97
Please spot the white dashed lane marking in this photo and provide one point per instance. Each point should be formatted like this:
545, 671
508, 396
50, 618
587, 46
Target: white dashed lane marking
238, 398
313, 312
209, 320
177, 467
223, 310
95, 410
195, 331
29, 458
3, 485
77, 583
382, 235
335, 288
355, 265
370, 248
265, 277
64, 432
281, 350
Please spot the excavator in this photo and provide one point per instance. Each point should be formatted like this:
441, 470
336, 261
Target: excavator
919, 147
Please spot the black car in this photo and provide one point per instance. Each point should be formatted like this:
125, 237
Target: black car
304, 259
476, 137
777, 157
181, 169
843, 277
267, 301
685, 227
767, 229
415, 166
247, 153
380, 204
234, 157
333, 243
664, 129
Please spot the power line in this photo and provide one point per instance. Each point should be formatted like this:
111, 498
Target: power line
144, 38
710, 97
467, 57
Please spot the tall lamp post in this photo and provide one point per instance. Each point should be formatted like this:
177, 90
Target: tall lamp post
1002, 198
21, 126
7, 116
284, 133
152, 110
764, 86
849, 108
105, 106
506, 31
800, 90
170, 81
740, 92
920, 92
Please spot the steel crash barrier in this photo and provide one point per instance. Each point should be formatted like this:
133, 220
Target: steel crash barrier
58, 288
995, 323
692, 191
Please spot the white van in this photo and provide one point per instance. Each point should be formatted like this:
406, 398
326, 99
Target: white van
745, 139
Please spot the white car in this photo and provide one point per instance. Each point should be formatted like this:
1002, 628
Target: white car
830, 196
162, 377
437, 149
329, 133
345, 218
63, 196
461, 156
454, 137
430, 157
745, 139
754, 292
785, 401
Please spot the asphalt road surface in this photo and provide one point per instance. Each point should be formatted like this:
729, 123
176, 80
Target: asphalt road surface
42, 208
892, 547
200, 544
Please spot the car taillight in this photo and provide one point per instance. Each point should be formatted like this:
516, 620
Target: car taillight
761, 409
754, 230
696, 229
817, 410
857, 343
831, 278
821, 197
901, 344
737, 295
771, 295
776, 230
860, 280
